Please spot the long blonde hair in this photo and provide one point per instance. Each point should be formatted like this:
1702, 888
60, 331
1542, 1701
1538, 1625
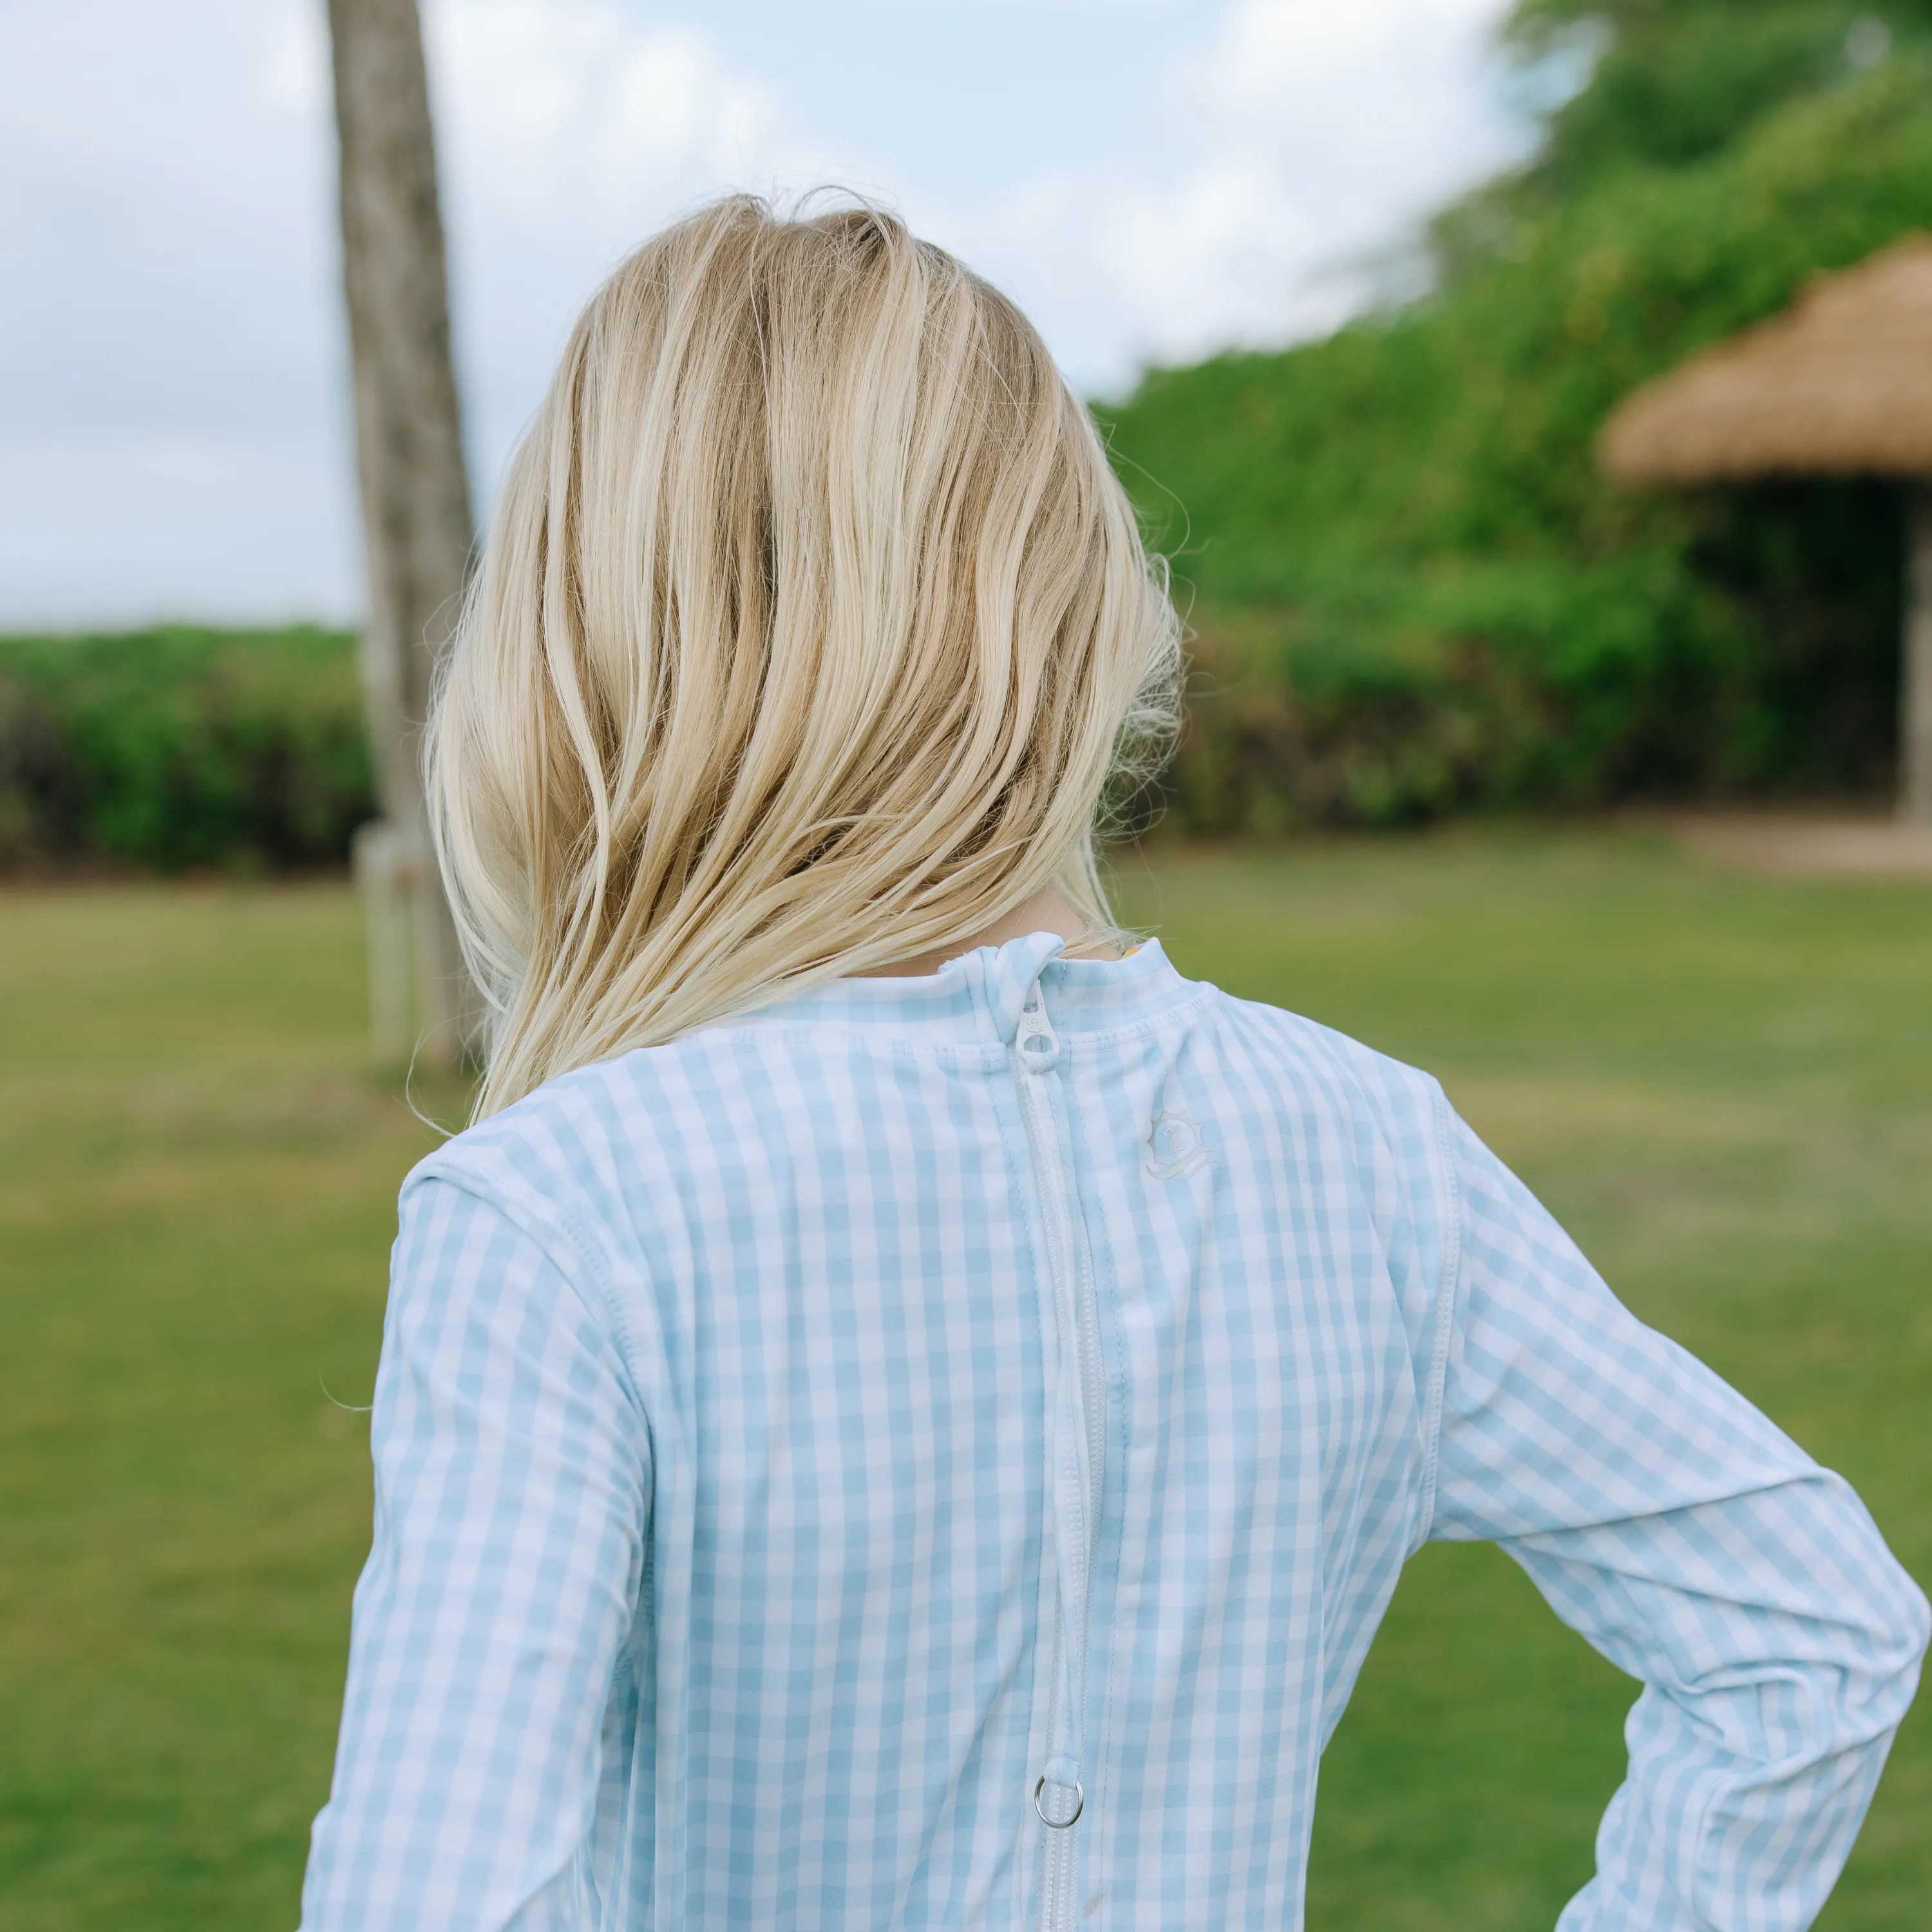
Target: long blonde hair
812, 631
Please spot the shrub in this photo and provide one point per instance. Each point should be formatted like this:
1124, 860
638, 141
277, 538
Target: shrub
177, 748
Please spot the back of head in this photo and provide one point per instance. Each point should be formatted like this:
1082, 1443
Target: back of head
812, 629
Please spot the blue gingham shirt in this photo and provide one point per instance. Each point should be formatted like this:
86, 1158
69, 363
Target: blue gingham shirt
723, 1536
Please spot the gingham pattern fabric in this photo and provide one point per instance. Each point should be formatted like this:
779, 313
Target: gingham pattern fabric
712, 1569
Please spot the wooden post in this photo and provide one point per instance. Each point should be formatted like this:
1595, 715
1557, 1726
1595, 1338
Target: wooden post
417, 528
1914, 695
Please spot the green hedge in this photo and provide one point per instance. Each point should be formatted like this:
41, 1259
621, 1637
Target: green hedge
177, 749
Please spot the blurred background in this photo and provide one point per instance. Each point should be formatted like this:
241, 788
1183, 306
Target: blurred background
1535, 403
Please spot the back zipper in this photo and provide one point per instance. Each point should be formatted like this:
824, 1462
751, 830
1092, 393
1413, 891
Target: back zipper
1076, 1423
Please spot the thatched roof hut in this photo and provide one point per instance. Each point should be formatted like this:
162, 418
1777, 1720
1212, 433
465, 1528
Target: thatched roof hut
1841, 384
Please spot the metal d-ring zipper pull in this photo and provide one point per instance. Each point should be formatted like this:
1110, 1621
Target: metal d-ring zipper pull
1073, 1467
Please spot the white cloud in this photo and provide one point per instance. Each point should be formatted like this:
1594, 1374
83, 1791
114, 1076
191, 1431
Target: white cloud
172, 415
569, 132
1309, 136
170, 411
544, 95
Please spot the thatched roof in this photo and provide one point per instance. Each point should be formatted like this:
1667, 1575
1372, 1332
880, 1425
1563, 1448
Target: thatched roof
1840, 384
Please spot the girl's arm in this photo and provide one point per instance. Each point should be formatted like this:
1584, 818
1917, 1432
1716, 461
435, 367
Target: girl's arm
512, 1475
1698, 1549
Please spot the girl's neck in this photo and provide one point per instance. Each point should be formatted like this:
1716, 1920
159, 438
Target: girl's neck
1046, 911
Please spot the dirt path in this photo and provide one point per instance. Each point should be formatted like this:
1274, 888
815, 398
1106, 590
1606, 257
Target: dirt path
1810, 843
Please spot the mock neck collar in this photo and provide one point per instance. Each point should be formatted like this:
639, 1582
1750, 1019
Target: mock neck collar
978, 996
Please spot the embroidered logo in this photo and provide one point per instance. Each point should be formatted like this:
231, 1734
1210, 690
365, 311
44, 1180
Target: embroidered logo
1175, 1148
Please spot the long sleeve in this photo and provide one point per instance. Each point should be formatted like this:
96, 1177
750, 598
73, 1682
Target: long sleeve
512, 1474
1699, 1550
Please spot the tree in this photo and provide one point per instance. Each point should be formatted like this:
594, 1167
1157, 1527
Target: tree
418, 532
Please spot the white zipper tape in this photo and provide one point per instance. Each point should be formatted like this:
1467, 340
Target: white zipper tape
1074, 1437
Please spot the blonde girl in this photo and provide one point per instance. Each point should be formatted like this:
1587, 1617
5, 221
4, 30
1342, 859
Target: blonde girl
905, 1411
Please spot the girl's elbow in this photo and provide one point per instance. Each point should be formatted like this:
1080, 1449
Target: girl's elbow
1899, 1627
1914, 1624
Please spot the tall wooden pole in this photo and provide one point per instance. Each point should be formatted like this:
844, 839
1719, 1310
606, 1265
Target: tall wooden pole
1915, 698
418, 532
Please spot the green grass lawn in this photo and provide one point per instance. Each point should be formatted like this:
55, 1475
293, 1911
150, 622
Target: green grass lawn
1722, 1085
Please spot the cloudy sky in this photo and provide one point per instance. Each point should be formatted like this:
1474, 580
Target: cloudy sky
1152, 179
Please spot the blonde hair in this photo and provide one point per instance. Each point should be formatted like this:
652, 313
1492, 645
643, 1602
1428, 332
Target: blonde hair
813, 632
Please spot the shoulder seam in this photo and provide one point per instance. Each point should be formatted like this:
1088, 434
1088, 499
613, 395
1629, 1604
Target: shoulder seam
542, 1224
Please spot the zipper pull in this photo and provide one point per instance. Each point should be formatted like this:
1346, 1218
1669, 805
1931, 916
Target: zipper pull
1036, 1043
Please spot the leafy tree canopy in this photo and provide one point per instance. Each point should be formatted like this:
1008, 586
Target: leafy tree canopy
1674, 81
